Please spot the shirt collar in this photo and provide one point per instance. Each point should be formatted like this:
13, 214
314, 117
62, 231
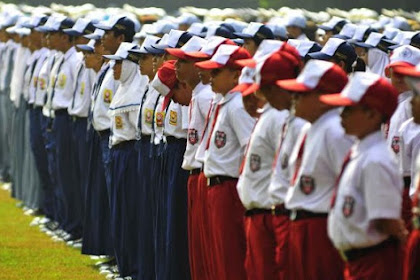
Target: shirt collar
228, 97
404, 96
69, 53
368, 142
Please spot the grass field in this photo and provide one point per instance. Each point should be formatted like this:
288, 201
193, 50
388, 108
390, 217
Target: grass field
28, 254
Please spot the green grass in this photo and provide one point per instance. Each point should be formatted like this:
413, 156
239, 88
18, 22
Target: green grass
28, 254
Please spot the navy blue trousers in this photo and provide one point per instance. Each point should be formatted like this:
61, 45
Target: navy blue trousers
97, 219
125, 193
66, 175
41, 160
172, 260
50, 148
80, 154
145, 203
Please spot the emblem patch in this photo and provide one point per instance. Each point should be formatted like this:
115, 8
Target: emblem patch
118, 122
82, 88
307, 184
220, 139
160, 117
42, 84
395, 144
62, 81
35, 81
173, 117
148, 115
348, 206
284, 161
107, 95
192, 136
254, 162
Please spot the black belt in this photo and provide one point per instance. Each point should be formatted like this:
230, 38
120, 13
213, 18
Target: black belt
104, 133
407, 182
124, 145
353, 254
276, 210
217, 180
145, 138
37, 108
303, 214
195, 171
76, 118
173, 139
60, 112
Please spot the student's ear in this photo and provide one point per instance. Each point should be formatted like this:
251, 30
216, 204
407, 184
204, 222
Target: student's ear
120, 38
342, 64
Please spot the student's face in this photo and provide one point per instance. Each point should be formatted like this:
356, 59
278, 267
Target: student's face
398, 81
327, 36
362, 53
146, 64
204, 75
110, 42
185, 70
117, 69
353, 119
224, 79
182, 94
278, 98
251, 104
80, 40
293, 32
93, 60
306, 104
52, 39
250, 46
415, 108
157, 62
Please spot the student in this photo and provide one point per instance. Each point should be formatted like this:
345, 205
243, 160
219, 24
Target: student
364, 223
253, 183
295, 26
314, 164
229, 133
412, 256
96, 235
123, 111
253, 35
404, 56
198, 107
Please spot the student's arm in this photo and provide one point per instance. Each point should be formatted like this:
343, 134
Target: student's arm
392, 227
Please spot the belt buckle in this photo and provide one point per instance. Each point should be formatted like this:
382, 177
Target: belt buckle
74, 118
293, 214
343, 255
273, 210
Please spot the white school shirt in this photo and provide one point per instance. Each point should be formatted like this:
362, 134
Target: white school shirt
102, 99
159, 120
228, 138
401, 114
43, 56
254, 181
202, 96
302, 37
80, 102
44, 79
370, 188
147, 111
409, 134
282, 172
64, 86
176, 121
21, 57
47, 108
31, 64
201, 150
325, 148
7, 61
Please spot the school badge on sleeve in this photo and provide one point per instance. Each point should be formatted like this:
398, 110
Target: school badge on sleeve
173, 117
307, 184
107, 95
42, 84
348, 206
220, 139
148, 116
160, 117
192, 136
395, 144
255, 162
118, 122
82, 88
35, 81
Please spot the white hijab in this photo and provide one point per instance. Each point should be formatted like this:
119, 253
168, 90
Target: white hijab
130, 91
377, 61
